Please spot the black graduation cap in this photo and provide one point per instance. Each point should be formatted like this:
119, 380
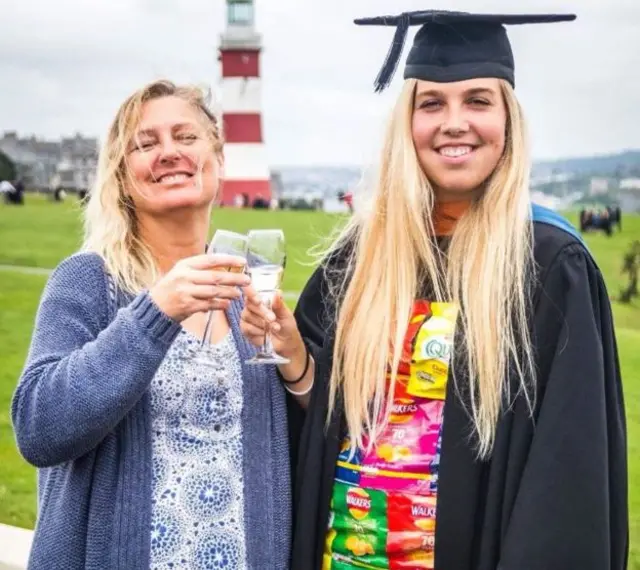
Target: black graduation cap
454, 46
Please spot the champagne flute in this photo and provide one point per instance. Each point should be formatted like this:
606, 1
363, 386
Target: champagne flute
230, 243
266, 258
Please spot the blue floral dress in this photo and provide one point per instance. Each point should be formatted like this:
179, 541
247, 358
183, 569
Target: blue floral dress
197, 512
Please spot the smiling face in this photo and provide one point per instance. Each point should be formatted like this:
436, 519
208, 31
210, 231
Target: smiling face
171, 163
459, 133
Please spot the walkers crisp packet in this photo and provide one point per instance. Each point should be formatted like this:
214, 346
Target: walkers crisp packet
359, 510
405, 458
411, 523
358, 528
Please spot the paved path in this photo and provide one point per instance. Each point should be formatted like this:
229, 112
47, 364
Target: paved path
24, 269
291, 295
15, 556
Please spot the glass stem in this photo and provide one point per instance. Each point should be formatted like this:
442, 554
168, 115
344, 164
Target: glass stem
267, 347
206, 336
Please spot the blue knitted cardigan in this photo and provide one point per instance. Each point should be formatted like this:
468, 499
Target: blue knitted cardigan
81, 415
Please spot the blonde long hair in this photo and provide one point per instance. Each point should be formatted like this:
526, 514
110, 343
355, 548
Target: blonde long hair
110, 228
393, 252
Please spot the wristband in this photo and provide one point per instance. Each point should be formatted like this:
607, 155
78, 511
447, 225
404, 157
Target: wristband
304, 373
303, 393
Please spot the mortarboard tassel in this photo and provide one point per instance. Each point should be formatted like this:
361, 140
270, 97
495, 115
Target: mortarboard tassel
393, 57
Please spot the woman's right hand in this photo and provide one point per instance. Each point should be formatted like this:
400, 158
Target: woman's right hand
199, 284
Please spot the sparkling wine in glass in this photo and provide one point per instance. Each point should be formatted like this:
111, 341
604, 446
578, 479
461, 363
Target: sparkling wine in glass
266, 258
229, 243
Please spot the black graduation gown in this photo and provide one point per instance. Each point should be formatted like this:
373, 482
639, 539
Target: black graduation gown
553, 495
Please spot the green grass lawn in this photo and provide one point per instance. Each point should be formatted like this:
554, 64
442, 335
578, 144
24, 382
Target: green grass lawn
42, 233
19, 295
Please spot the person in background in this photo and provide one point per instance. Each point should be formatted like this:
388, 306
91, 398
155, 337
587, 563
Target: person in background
147, 456
6, 190
19, 193
12, 193
455, 351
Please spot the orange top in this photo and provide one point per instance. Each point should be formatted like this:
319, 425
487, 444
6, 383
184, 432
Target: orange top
446, 214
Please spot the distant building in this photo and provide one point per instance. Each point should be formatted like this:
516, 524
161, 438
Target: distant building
78, 162
69, 163
630, 184
551, 178
598, 186
629, 194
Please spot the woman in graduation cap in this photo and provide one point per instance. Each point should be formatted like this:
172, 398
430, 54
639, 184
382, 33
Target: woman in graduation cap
455, 350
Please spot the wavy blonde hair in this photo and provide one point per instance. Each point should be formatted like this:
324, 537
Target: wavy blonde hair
393, 252
110, 217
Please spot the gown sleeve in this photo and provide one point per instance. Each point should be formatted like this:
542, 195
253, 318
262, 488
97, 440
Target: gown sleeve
571, 507
313, 319
311, 312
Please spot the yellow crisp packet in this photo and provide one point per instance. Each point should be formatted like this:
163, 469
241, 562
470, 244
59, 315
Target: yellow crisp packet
432, 353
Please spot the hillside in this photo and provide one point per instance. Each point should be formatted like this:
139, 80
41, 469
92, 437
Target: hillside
330, 179
621, 164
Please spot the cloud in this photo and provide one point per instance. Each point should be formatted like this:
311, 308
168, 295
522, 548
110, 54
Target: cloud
67, 65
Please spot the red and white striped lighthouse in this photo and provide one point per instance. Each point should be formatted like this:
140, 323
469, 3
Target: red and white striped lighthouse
246, 171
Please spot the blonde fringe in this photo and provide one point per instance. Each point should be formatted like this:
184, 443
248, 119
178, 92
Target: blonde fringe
485, 273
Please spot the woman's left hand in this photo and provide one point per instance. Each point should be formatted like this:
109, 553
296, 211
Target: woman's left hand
285, 336
279, 320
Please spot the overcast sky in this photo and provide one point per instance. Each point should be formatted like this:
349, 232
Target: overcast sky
66, 65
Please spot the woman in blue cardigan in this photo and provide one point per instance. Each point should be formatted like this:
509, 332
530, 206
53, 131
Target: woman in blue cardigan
147, 457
